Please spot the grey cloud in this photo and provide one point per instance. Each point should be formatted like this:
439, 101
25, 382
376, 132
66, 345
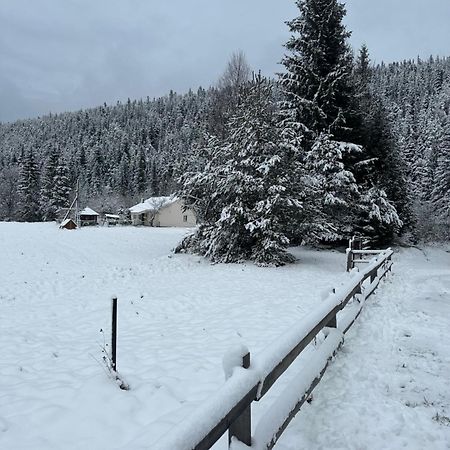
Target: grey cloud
62, 55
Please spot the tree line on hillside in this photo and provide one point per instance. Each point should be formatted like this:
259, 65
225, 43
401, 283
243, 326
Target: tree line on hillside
333, 146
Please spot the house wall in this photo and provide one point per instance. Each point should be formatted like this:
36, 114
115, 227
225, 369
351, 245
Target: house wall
173, 216
140, 219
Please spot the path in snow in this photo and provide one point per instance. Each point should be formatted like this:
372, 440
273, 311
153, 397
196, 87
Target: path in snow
389, 386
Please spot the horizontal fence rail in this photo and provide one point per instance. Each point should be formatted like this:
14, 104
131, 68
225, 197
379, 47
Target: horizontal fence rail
229, 409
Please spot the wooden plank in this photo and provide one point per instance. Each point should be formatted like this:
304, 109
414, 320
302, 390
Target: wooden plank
297, 407
290, 357
284, 364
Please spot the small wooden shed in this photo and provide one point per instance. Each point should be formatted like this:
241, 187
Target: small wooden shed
88, 217
68, 224
112, 219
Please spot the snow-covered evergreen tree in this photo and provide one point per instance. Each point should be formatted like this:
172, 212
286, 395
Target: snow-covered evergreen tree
139, 168
62, 186
380, 220
28, 189
317, 82
441, 192
243, 195
47, 204
334, 188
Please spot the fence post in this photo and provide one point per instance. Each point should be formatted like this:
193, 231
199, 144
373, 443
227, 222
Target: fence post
333, 321
358, 245
373, 276
114, 335
349, 259
241, 428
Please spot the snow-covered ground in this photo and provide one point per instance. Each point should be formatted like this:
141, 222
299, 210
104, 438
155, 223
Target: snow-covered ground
178, 316
389, 387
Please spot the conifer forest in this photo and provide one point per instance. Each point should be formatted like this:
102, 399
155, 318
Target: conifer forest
331, 147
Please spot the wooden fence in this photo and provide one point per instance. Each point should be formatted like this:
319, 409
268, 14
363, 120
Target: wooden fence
358, 247
229, 409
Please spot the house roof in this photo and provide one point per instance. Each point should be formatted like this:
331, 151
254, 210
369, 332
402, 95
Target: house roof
88, 212
153, 204
112, 216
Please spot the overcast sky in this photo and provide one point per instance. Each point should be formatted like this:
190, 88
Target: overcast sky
59, 55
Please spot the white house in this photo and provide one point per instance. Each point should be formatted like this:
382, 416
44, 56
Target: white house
162, 212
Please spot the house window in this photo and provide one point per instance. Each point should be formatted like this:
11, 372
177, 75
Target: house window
185, 218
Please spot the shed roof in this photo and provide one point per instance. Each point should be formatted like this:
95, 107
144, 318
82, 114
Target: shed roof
65, 222
88, 212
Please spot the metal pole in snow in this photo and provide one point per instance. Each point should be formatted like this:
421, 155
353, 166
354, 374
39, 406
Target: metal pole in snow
114, 335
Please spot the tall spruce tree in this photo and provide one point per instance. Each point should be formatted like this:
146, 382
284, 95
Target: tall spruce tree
28, 189
243, 195
139, 167
382, 174
48, 206
62, 186
441, 191
318, 90
317, 82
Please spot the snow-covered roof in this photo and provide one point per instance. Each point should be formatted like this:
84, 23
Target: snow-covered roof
112, 216
153, 204
88, 212
65, 222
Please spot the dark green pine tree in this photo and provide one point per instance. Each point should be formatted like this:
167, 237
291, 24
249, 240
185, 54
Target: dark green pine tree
317, 82
139, 168
48, 207
62, 186
154, 179
319, 103
383, 168
441, 192
28, 189
123, 184
243, 196
96, 172
363, 69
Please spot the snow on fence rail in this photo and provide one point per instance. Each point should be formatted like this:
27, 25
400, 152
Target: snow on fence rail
229, 409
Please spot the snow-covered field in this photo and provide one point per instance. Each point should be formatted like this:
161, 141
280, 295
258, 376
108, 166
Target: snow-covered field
178, 316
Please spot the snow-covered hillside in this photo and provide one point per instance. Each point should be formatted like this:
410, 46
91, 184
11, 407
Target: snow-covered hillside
178, 315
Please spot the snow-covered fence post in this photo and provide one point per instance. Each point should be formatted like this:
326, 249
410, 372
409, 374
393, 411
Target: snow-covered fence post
241, 428
349, 259
114, 335
355, 243
373, 275
333, 321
